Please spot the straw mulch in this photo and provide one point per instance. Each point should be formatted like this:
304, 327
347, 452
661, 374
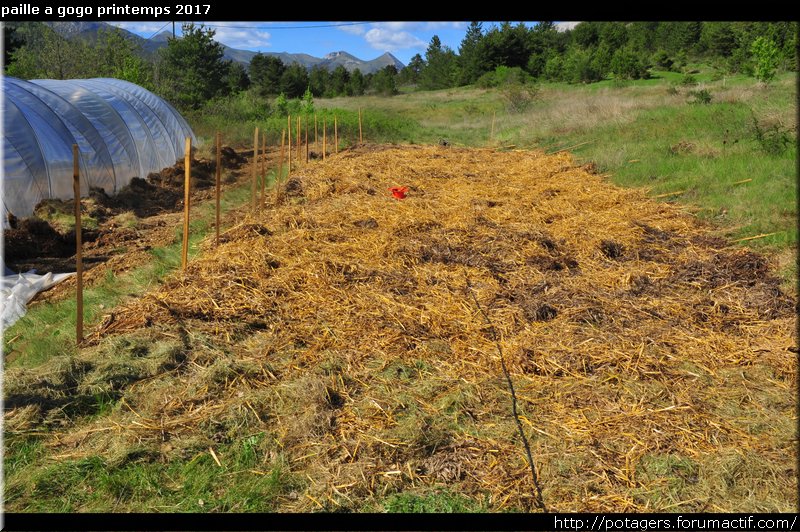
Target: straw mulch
348, 332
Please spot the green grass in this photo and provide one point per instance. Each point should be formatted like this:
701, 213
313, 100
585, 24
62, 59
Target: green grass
245, 482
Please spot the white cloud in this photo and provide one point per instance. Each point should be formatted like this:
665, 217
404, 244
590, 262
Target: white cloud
396, 26
356, 29
437, 25
245, 39
144, 28
564, 26
389, 40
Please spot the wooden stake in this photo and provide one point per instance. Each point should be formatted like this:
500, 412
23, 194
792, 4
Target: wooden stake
298, 140
571, 147
255, 171
676, 193
316, 141
289, 135
306, 139
742, 181
263, 170
335, 135
762, 235
218, 179
279, 177
324, 136
187, 164
360, 136
76, 188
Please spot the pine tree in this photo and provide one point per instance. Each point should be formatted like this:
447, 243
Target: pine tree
191, 69
470, 58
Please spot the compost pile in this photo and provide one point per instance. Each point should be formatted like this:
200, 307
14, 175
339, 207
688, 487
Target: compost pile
117, 229
340, 324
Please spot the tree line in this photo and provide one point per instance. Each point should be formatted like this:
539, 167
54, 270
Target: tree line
191, 70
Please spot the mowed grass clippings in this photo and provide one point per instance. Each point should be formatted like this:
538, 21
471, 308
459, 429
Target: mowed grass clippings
333, 335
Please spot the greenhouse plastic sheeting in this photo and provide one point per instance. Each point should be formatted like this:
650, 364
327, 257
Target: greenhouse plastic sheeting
122, 131
17, 290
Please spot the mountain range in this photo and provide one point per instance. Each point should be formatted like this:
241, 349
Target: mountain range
89, 32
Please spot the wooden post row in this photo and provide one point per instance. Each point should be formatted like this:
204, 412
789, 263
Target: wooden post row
255, 171
263, 169
289, 143
279, 177
187, 164
218, 179
76, 188
316, 142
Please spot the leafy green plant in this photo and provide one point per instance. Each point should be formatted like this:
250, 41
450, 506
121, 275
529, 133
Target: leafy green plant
702, 96
688, 80
308, 101
765, 56
519, 97
774, 139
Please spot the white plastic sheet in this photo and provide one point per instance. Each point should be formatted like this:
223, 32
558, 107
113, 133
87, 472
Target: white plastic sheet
19, 289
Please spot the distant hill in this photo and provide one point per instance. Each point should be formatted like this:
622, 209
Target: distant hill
89, 30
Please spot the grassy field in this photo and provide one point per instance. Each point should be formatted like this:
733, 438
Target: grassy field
731, 162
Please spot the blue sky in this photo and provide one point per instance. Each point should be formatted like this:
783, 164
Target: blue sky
365, 40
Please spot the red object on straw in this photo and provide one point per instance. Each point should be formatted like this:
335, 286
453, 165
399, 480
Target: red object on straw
399, 192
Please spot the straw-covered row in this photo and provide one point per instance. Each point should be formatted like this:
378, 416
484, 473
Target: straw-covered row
339, 322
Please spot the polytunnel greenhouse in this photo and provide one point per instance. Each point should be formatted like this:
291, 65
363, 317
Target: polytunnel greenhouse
122, 131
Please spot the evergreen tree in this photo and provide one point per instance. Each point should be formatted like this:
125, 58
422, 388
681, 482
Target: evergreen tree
470, 58
411, 72
357, 84
318, 80
294, 81
191, 68
266, 72
236, 78
383, 82
338, 82
440, 69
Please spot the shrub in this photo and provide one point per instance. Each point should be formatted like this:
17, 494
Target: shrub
774, 138
503, 75
765, 58
518, 97
554, 68
700, 97
244, 106
626, 64
579, 67
662, 60
688, 79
